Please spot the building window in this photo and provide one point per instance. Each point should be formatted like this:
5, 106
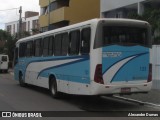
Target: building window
44, 29
13, 28
23, 26
44, 10
35, 24
28, 26
58, 4
9, 27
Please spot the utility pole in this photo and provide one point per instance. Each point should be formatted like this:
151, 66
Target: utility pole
20, 21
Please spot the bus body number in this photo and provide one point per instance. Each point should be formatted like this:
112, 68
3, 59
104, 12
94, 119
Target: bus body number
142, 68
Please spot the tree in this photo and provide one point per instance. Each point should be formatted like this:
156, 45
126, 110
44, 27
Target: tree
25, 34
152, 16
9, 46
35, 31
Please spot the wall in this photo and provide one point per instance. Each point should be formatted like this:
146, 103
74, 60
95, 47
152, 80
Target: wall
82, 10
12, 24
155, 60
107, 5
31, 22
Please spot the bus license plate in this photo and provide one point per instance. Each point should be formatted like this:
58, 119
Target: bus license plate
125, 90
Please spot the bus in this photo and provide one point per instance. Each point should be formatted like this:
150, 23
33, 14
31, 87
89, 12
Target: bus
96, 57
4, 61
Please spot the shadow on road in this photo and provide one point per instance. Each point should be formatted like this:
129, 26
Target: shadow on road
92, 103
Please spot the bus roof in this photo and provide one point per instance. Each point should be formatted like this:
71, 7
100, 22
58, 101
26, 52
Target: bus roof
92, 21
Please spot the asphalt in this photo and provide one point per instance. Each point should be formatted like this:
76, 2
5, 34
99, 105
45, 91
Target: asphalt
153, 96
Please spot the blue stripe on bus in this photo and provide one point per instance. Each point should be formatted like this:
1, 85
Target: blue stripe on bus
136, 55
126, 64
57, 59
62, 65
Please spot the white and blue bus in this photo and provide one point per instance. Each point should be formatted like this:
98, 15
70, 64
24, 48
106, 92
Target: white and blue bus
95, 57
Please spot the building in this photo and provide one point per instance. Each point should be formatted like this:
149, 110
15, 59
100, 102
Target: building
12, 27
66, 12
122, 8
29, 22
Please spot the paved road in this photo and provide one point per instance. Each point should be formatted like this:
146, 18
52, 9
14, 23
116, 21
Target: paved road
16, 98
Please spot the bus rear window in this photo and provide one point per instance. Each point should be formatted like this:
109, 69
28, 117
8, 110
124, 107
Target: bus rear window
124, 35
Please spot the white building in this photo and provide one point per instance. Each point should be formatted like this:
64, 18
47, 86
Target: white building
121, 8
12, 27
29, 22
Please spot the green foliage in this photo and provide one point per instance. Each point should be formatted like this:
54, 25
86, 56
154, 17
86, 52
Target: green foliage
25, 34
35, 31
9, 44
152, 16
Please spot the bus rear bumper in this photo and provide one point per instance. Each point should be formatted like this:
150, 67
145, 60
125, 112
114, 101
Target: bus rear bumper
100, 89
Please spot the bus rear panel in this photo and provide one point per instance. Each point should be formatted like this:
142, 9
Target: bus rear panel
125, 67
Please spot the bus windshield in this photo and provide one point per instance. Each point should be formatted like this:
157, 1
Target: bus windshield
122, 35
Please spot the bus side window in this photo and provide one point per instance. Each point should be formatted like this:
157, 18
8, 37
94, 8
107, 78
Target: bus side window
45, 46
38, 48
85, 40
74, 42
57, 45
22, 50
65, 44
29, 51
50, 48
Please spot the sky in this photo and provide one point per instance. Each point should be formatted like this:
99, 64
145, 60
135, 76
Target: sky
13, 15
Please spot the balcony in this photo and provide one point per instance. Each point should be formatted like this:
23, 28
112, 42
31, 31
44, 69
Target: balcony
43, 20
43, 3
59, 15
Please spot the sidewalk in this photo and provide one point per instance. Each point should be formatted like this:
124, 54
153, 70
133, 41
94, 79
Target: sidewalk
152, 97
11, 71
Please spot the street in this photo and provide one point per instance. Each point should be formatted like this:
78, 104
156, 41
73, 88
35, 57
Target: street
31, 98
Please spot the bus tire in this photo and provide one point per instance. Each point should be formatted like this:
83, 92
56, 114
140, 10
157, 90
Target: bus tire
53, 88
21, 81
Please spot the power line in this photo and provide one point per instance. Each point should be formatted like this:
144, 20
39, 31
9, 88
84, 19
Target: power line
9, 9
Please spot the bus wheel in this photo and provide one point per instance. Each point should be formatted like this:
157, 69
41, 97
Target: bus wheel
21, 81
53, 88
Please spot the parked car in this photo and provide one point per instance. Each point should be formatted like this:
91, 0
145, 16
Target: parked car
4, 60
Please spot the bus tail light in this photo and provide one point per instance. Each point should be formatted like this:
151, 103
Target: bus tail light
98, 74
150, 73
